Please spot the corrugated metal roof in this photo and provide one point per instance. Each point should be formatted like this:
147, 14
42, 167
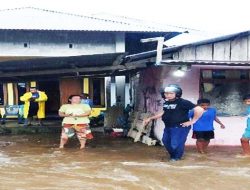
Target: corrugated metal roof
29, 18
135, 21
189, 37
216, 39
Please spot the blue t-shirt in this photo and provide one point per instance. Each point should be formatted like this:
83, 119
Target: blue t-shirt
87, 101
248, 118
206, 121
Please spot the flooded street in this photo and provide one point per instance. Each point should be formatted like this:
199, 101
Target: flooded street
35, 163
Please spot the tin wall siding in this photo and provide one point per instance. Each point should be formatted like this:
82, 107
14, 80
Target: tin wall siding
222, 51
239, 49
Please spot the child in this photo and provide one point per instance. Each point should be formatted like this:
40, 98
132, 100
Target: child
246, 135
203, 129
86, 100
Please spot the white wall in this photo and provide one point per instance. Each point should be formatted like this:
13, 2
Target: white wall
56, 43
120, 88
54, 49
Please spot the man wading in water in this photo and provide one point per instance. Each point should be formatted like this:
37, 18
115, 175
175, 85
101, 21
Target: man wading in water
176, 120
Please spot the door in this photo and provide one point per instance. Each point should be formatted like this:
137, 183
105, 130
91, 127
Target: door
70, 86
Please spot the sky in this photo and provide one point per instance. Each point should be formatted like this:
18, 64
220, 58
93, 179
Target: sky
215, 16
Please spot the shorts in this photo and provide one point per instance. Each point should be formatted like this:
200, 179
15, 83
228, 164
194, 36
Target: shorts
82, 131
205, 135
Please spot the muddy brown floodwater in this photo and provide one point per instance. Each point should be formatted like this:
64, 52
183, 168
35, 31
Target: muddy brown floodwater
33, 162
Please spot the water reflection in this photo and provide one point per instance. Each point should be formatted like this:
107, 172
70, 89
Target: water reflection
35, 162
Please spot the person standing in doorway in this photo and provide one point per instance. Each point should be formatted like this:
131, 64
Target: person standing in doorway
76, 121
175, 117
34, 105
203, 129
246, 135
86, 100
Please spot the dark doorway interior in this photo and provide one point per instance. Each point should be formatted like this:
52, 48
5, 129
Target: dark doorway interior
1, 95
51, 88
21, 90
97, 91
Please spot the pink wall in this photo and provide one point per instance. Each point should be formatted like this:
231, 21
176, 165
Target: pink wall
231, 135
156, 78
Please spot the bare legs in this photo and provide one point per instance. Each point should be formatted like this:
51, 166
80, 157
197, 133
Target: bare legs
82, 143
202, 145
64, 140
245, 146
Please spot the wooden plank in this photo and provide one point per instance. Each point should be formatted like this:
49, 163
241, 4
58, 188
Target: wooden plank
187, 53
239, 49
222, 51
204, 52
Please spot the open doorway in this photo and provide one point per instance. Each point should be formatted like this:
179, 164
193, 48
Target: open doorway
51, 88
97, 92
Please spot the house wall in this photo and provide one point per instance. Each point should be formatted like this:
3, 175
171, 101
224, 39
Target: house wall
57, 43
154, 79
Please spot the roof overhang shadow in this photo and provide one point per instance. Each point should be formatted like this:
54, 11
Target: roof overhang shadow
47, 67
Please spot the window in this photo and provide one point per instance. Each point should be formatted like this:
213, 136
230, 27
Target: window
218, 74
70, 46
244, 74
225, 89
